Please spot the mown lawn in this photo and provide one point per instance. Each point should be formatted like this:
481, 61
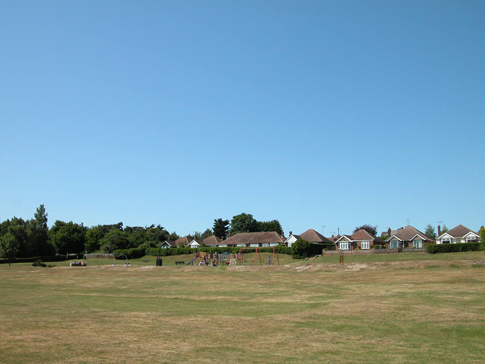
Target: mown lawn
424, 309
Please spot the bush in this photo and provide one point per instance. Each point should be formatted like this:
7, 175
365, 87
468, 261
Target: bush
300, 249
452, 248
132, 253
38, 263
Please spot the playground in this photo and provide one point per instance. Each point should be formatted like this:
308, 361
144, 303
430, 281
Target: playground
231, 259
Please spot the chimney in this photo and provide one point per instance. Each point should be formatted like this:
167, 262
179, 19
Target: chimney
439, 230
389, 232
291, 233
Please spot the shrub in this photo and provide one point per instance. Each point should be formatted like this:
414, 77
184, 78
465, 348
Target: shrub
132, 253
452, 248
300, 249
38, 263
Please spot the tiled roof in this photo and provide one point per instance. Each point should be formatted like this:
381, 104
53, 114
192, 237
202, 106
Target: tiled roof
362, 234
212, 241
459, 231
407, 233
253, 238
314, 237
183, 241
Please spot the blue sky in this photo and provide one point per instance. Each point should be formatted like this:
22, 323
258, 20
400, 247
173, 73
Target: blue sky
321, 114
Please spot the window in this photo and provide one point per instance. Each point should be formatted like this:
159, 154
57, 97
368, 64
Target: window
365, 245
445, 241
417, 243
470, 239
394, 244
343, 245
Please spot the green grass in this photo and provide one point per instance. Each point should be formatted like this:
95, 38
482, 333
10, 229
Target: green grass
365, 311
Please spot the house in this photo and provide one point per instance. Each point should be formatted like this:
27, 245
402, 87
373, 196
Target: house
168, 244
291, 239
212, 241
254, 240
407, 237
310, 235
361, 239
314, 237
187, 241
459, 234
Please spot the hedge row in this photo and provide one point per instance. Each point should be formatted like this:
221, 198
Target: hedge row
133, 253
48, 258
452, 248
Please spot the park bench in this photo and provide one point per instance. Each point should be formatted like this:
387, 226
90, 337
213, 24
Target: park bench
179, 263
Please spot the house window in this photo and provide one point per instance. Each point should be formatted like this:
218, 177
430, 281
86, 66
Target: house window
344, 246
470, 239
394, 244
365, 245
417, 243
446, 241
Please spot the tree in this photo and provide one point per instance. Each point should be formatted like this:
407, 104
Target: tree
115, 239
18, 228
273, 225
221, 228
299, 249
9, 247
369, 228
243, 223
68, 237
39, 233
205, 234
482, 236
444, 229
429, 231
174, 236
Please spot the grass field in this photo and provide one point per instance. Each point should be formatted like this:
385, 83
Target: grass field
401, 308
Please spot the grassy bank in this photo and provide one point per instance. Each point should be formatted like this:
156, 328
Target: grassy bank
424, 311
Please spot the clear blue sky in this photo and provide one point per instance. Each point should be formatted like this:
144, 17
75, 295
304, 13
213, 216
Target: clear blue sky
321, 114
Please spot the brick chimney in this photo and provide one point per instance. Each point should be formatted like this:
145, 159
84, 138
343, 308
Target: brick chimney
439, 230
389, 232
291, 233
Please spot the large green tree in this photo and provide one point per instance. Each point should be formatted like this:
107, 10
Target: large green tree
273, 225
221, 228
39, 233
244, 223
68, 237
18, 227
9, 247
115, 239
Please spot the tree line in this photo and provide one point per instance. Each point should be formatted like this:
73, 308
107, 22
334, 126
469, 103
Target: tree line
21, 238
